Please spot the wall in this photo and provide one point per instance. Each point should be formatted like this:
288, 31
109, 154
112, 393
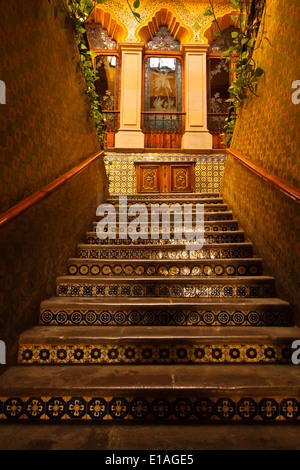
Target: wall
45, 131
267, 133
122, 175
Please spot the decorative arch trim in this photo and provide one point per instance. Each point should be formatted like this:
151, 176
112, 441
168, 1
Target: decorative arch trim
115, 29
224, 21
164, 17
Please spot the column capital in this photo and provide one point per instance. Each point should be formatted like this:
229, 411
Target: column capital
195, 48
131, 46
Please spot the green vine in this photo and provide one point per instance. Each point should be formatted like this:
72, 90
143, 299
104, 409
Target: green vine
249, 16
80, 10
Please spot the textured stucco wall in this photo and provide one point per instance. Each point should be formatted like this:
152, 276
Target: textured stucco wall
267, 133
45, 130
45, 125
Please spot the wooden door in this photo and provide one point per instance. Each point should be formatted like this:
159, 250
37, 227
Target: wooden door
165, 177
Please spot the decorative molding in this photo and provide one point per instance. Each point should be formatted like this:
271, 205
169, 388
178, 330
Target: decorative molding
115, 29
288, 190
195, 48
11, 214
224, 22
164, 17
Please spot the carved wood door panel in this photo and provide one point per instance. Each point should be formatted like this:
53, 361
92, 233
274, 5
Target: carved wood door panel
165, 177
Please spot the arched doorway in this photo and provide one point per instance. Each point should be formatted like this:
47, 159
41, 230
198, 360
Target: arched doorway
219, 79
103, 33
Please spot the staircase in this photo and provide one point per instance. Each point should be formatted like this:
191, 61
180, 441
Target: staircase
150, 331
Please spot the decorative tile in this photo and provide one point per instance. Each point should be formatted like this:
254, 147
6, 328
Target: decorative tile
140, 251
185, 408
104, 288
122, 176
154, 353
242, 268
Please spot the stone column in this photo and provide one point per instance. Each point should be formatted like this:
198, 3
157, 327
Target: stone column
196, 135
130, 134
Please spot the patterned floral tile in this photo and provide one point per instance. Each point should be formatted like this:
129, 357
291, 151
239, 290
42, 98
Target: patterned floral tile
118, 408
208, 170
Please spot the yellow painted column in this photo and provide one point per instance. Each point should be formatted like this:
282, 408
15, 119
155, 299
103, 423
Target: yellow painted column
196, 135
130, 134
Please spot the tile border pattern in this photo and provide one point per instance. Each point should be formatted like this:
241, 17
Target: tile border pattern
118, 408
110, 289
170, 315
160, 251
132, 353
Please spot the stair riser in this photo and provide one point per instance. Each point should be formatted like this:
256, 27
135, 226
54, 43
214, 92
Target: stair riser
209, 238
165, 196
167, 268
208, 208
215, 201
172, 316
153, 407
162, 252
92, 239
209, 215
148, 203
221, 226
191, 289
162, 353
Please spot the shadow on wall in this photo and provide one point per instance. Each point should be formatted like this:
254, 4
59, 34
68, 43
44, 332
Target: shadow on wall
47, 130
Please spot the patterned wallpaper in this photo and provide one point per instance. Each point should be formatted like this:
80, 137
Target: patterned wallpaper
267, 133
45, 127
268, 128
271, 220
35, 248
45, 130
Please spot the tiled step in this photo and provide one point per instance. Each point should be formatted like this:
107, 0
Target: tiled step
162, 250
222, 287
162, 312
165, 197
216, 207
161, 393
210, 237
148, 200
208, 215
156, 345
144, 239
211, 267
210, 226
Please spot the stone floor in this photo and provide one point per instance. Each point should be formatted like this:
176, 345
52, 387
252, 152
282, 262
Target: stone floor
65, 436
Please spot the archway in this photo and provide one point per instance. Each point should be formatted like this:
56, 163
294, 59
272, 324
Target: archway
104, 33
219, 76
162, 102
164, 17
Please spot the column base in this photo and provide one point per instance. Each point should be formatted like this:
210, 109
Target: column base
129, 140
201, 140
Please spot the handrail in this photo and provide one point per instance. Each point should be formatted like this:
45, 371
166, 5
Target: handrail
23, 206
289, 190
